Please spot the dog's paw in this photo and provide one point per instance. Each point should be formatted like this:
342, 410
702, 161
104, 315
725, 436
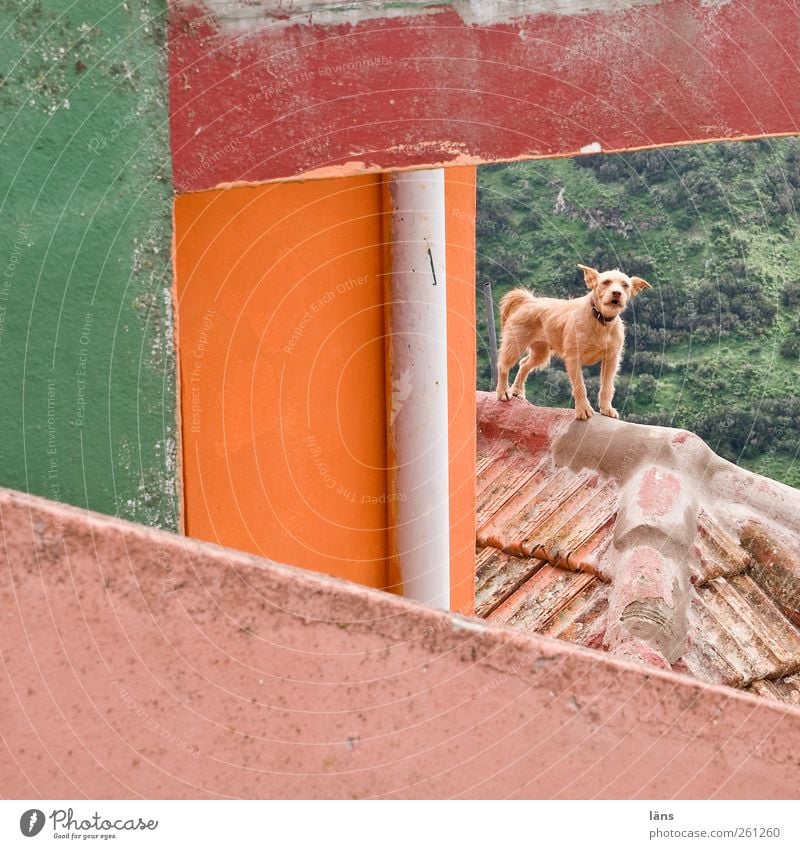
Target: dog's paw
584, 412
503, 395
518, 392
610, 412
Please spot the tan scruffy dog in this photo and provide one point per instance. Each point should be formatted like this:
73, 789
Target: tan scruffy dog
580, 331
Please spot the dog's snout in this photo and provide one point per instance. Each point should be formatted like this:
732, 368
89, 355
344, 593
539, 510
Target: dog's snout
617, 293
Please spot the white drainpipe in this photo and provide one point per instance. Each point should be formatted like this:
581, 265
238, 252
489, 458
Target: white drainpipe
419, 515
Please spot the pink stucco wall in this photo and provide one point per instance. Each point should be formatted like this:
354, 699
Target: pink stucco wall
136, 663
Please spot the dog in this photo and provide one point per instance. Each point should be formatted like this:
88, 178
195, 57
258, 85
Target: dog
579, 331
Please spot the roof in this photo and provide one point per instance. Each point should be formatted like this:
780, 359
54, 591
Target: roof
639, 541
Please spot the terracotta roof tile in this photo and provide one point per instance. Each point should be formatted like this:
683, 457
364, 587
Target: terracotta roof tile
746, 629
583, 620
497, 576
720, 553
785, 690
562, 506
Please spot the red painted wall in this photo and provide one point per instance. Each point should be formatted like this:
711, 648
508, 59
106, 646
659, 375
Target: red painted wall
270, 99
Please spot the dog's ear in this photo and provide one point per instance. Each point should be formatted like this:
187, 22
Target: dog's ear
639, 284
590, 275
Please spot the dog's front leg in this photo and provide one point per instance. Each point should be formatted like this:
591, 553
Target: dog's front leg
583, 409
608, 372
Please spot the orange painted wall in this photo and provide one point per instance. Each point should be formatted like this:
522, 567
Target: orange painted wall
460, 229
280, 337
280, 325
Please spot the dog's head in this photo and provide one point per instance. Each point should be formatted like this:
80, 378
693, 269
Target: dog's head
611, 290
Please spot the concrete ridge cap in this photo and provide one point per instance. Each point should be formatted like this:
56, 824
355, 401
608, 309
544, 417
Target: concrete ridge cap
647, 536
590, 445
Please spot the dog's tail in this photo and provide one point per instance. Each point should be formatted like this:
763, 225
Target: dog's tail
511, 302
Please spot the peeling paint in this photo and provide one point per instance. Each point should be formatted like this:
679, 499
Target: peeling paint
232, 17
348, 169
461, 623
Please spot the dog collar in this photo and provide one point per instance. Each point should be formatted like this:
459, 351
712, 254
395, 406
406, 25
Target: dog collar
600, 317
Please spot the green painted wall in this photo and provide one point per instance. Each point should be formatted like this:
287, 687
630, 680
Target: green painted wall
87, 359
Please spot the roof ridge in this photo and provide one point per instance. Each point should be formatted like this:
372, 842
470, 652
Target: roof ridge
677, 530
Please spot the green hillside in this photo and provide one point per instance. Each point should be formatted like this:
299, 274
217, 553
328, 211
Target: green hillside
715, 346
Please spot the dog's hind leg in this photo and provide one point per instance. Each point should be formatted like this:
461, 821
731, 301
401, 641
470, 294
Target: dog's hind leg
538, 356
509, 353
